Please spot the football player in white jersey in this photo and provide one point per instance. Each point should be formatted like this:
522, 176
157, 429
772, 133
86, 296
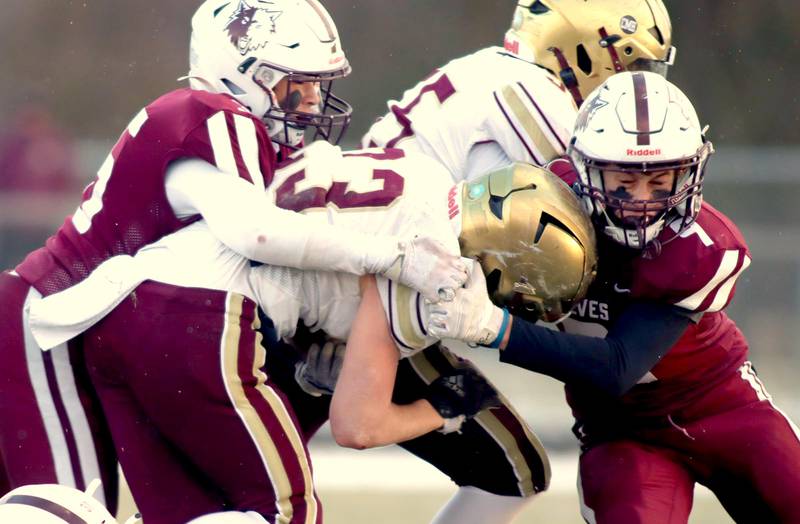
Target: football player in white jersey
513, 104
206, 295
518, 102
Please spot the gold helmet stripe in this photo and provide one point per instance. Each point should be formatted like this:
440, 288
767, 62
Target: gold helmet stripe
541, 140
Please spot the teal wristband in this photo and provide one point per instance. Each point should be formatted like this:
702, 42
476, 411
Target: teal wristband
503, 328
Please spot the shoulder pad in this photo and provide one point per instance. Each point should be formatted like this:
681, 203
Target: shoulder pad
696, 270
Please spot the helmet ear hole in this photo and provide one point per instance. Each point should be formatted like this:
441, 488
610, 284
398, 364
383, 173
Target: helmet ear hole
538, 8
496, 206
584, 62
233, 88
656, 32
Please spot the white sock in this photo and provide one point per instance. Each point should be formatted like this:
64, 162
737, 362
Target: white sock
471, 505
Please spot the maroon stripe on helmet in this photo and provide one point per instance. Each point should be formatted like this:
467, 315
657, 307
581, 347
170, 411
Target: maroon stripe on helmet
48, 506
323, 16
642, 110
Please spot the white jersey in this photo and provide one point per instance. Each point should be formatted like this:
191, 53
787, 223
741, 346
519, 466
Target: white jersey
376, 191
479, 113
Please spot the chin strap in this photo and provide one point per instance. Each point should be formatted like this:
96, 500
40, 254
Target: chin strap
608, 43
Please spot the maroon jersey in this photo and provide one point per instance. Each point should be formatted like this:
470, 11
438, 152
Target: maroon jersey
126, 207
696, 271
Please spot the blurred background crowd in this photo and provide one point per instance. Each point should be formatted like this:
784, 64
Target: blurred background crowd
76, 71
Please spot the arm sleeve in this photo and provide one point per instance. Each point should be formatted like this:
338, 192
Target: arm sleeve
243, 218
636, 342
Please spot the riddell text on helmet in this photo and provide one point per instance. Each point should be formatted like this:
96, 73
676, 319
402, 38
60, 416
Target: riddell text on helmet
643, 152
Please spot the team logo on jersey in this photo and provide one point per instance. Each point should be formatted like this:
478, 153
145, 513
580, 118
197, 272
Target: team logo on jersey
250, 27
628, 24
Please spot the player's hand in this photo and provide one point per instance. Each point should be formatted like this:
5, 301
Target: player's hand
471, 316
461, 395
427, 266
317, 375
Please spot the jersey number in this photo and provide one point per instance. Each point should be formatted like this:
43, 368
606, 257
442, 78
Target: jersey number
442, 88
313, 186
82, 218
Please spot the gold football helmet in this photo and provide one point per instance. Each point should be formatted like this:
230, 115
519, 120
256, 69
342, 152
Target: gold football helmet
586, 42
533, 239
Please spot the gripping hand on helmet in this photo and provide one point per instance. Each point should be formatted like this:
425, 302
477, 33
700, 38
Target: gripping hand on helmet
424, 264
470, 316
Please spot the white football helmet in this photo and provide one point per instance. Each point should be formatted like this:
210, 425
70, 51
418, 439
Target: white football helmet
243, 48
52, 504
230, 517
639, 122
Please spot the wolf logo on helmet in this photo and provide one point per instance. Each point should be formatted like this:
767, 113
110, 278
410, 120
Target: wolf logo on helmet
242, 19
262, 54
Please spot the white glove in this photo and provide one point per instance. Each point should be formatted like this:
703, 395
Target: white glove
425, 264
471, 316
317, 375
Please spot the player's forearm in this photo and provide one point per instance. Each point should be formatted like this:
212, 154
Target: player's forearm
388, 424
565, 357
636, 342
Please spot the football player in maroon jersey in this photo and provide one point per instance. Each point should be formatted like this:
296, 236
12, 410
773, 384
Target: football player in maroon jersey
205, 151
656, 373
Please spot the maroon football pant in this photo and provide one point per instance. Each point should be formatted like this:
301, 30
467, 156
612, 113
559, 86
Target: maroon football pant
197, 425
52, 428
749, 456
